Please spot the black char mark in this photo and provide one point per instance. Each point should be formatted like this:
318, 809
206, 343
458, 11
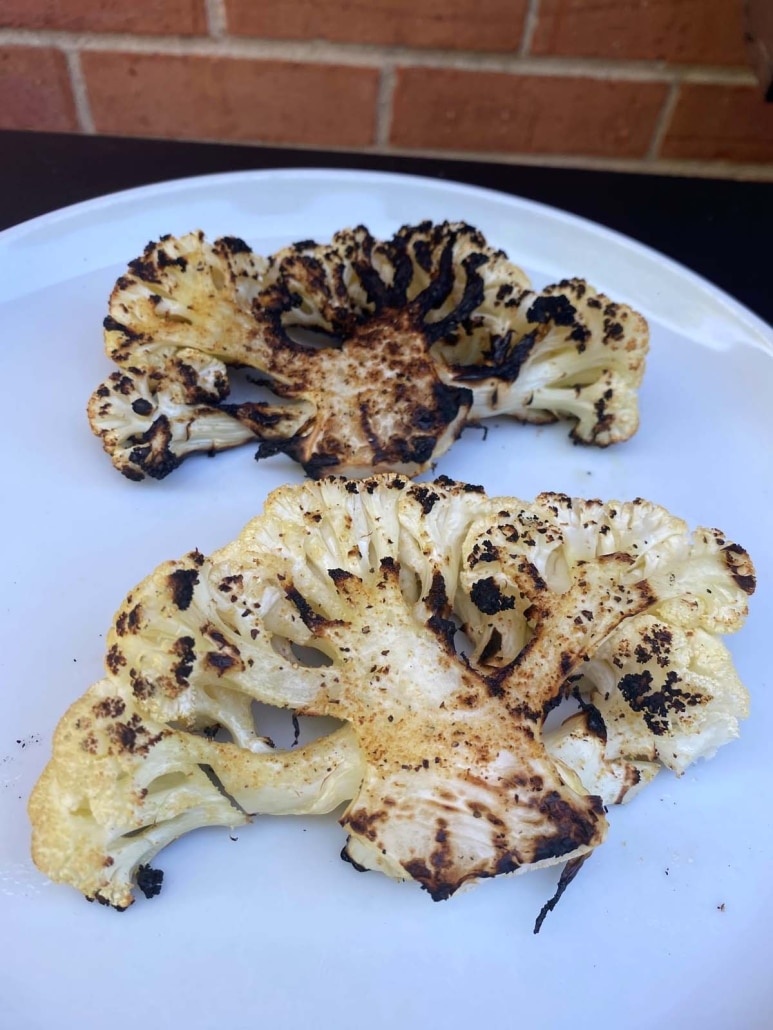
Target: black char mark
165, 261
132, 736
426, 498
570, 870
492, 648
236, 245
115, 659
221, 661
449, 399
437, 598
419, 871
437, 601
256, 415
101, 900
484, 552
144, 268
557, 309
150, 880
185, 649
340, 576
444, 629
152, 453
594, 721
488, 598
312, 620
442, 284
572, 829
471, 299
415, 447
114, 326
655, 706
317, 466
734, 556
109, 708
423, 254
142, 406
181, 584
390, 568
504, 361
379, 294
348, 858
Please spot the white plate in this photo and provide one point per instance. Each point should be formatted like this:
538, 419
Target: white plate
667, 925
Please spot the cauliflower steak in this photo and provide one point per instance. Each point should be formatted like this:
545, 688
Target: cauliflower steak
412, 338
344, 599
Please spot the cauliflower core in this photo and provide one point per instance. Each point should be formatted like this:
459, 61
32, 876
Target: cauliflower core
344, 599
413, 338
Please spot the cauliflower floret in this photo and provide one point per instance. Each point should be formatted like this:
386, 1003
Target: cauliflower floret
148, 430
184, 293
122, 787
180, 312
665, 693
567, 352
343, 600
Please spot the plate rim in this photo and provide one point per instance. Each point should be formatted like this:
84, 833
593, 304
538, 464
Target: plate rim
611, 1012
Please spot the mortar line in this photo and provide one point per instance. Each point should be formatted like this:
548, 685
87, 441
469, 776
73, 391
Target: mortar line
664, 121
80, 92
529, 27
365, 55
384, 102
217, 19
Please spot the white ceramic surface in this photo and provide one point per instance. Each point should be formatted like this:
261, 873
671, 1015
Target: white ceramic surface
668, 925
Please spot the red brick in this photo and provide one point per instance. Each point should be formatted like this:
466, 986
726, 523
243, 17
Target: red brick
35, 90
691, 31
220, 98
724, 123
493, 112
154, 17
454, 24
759, 37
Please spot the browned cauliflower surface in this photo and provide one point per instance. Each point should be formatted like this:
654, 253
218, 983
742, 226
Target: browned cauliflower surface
344, 599
413, 338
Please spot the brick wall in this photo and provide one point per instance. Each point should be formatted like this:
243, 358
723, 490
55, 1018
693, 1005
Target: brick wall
657, 84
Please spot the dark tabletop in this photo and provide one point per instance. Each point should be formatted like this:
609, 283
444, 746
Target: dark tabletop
721, 229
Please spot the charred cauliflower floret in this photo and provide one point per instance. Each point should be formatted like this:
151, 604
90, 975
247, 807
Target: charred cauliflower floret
411, 338
344, 599
568, 352
179, 315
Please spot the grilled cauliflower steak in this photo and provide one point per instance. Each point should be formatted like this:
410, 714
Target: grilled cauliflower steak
413, 337
343, 599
